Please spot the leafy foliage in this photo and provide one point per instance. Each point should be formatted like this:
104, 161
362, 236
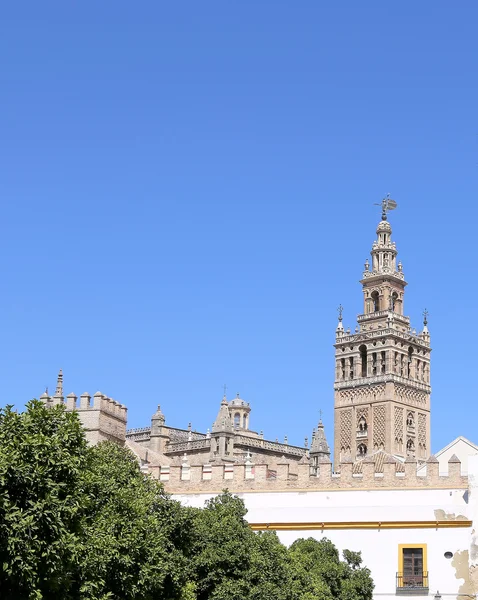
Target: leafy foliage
82, 523
42, 460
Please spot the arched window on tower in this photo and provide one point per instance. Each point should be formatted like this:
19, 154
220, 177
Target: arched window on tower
361, 450
410, 420
375, 301
410, 447
363, 358
244, 422
393, 301
237, 420
362, 425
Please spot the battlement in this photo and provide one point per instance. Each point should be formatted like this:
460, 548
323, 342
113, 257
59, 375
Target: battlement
102, 417
246, 476
99, 402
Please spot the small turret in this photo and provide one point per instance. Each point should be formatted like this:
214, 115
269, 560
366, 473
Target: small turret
58, 397
223, 420
222, 437
319, 444
319, 448
239, 411
159, 437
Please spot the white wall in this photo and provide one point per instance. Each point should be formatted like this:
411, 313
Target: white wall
379, 547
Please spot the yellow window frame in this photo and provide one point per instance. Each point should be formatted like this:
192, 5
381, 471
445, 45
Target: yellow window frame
400, 555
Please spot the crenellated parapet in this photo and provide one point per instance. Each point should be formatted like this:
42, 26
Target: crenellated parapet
186, 478
101, 417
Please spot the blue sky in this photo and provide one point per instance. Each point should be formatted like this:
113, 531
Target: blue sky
187, 195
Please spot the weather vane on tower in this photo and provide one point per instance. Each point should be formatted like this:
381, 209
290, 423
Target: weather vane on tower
386, 204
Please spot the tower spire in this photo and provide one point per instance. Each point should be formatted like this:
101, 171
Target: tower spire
59, 385
319, 445
340, 327
223, 420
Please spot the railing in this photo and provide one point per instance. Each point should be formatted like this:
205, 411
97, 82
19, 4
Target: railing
382, 378
355, 337
383, 313
241, 440
185, 446
412, 585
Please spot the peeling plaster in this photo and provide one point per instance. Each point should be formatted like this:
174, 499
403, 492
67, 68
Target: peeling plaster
441, 515
460, 563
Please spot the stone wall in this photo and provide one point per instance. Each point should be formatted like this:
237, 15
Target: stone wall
185, 478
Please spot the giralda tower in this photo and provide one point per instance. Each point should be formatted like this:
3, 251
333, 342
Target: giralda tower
382, 371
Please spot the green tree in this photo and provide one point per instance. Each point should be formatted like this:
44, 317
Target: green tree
132, 533
43, 457
319, 574
82, 523
229, 561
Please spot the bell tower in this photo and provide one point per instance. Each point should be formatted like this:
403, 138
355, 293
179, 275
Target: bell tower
382, 370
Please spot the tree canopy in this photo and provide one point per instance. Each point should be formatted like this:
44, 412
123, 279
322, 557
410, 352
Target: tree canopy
79, 522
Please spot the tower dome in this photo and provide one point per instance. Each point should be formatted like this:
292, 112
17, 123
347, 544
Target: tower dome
384, 227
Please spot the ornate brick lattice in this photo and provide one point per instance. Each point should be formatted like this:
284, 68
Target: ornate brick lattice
410, 396
398, 428
361, 411
362, 394
422, 435
378, 427
346, 430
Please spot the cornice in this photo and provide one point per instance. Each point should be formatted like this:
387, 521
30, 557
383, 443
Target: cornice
331, 525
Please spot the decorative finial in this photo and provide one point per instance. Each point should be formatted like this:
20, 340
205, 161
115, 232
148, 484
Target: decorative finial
340, 311
366, 264
425, 317
320, 415
225, 388
59, 384
386, 204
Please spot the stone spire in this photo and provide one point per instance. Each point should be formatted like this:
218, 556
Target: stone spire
425, 334
59, 385
339, 332
158, 416
223, 420
319, 446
